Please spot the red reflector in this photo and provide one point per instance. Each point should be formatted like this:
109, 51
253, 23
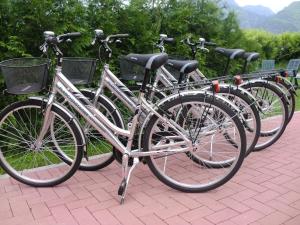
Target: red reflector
238, 80
216, 86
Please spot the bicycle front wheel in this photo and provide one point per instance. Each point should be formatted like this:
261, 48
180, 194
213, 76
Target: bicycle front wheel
42, 166
206, 121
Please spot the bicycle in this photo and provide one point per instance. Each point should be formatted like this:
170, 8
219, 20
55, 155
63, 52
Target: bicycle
129, 100
164, 135
255, 87
121, 92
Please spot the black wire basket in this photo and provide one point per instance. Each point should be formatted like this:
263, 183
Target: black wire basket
25, 75
131, 71
80, 71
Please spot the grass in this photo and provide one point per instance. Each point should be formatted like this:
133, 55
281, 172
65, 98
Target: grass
298, 100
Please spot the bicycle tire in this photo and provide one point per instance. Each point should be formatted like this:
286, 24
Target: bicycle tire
211, 185
70, 122
276, 133
99, 162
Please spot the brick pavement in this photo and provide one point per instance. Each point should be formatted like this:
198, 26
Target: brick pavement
265, 191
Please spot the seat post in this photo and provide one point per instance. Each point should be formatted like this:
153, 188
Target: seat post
146, 80
180, 79
245, 66
226, 67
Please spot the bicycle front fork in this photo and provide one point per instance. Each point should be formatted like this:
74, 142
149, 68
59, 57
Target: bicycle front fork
48, 117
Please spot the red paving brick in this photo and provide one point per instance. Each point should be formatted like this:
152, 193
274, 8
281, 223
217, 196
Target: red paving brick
265, 191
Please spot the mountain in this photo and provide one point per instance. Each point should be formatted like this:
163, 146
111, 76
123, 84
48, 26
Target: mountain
260, 10
260, 17
287, 19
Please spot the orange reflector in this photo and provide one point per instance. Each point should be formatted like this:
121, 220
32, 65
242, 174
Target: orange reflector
216, 86
278, 79
286, 74
238, 80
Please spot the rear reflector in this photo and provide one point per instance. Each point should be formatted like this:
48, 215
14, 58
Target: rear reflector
278, 79
238, 80
216, 86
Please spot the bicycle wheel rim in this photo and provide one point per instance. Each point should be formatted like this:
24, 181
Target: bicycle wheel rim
34, 167
194, 187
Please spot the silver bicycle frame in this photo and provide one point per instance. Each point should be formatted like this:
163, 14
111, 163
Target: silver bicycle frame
106, 128
110, 81
167, 79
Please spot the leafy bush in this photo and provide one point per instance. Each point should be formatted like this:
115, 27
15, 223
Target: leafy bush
22, 23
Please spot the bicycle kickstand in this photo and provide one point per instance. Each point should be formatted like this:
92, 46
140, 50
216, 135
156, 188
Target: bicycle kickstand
126, 176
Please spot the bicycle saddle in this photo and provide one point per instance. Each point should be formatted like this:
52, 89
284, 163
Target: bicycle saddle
230, 53
183, 66
250, 56
149, 61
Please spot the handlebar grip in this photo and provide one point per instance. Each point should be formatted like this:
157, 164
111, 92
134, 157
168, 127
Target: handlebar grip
123, 35
118, 36
208, 43
70, 35
169, 40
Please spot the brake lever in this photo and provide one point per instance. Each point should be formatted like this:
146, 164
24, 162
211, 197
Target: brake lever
203, 49
57, 50
43, 47
93, 41
118, 41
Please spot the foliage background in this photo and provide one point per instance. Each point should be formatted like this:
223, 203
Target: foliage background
22, 23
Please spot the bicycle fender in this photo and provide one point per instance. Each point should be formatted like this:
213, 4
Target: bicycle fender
184, 93
65, 110
270, 83
107, 100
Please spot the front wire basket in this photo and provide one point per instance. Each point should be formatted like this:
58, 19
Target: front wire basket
80, 71
131, 71
25, 75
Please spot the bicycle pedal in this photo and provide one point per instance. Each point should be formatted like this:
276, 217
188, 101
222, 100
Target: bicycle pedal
122, 187
118, 157
143, 160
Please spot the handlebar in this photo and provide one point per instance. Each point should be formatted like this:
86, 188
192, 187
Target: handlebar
169, 40
104, 42
51, 40
99, 37
208, 43
68, 36
201, 45
201, 41
163, 38
115, 36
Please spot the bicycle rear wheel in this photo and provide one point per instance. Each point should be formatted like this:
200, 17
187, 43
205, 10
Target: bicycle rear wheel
20, 124
100, 153
273, 114
206, 121
248, 114
289, 92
